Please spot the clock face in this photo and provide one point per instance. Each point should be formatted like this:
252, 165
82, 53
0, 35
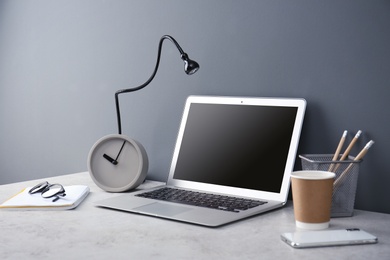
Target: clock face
117, 163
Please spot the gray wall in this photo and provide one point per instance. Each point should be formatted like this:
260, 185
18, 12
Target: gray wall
62, 61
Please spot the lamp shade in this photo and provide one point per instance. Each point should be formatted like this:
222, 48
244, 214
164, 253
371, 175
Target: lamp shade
190, 66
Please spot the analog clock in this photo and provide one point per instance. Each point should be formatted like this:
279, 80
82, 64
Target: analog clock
117, 163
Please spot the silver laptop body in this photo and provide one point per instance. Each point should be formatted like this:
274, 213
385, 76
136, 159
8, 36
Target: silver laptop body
236, 146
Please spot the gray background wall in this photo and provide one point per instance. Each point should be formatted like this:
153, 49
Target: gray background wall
62, 61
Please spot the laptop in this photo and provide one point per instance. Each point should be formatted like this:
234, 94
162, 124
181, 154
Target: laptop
236, 149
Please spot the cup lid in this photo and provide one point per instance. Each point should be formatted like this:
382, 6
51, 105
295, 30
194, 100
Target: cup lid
313, 175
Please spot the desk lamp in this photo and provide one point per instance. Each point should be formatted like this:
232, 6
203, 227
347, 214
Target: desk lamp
117, 163
190, 67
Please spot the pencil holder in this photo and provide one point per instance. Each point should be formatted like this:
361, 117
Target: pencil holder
345, 184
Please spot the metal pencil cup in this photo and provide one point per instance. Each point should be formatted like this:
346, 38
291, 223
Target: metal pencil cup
344, 188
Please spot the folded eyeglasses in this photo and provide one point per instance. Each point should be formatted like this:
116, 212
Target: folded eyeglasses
48, 190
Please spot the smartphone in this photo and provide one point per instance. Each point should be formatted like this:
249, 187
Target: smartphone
352, 236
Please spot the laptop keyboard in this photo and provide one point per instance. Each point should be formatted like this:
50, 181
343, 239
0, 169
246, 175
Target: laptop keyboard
207, 200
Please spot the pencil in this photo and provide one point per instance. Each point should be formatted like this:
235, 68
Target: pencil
349, 148
364, 151
351, 144
338, 149
357, 158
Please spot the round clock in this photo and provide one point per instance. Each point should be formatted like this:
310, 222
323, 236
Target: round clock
117, 163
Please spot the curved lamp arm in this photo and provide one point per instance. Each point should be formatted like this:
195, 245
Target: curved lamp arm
190, 67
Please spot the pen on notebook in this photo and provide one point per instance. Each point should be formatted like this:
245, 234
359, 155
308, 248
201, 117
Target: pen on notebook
349, 148
357, 158
338, 150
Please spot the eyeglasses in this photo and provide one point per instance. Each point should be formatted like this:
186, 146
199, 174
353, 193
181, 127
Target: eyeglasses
48, 190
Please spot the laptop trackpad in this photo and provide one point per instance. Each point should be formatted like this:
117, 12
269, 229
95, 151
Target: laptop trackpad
162, 209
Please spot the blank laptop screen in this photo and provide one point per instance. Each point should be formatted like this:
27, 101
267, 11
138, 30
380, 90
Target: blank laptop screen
240, 146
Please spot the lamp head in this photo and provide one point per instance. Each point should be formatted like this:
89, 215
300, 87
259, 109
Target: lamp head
190, 66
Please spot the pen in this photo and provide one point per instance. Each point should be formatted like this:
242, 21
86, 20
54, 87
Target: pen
357, 158
349, 148
337, 153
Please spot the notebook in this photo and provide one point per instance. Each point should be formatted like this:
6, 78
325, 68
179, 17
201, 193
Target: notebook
235, 147
23, 200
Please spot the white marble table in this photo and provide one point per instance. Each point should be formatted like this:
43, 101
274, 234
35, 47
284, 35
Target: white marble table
89, 232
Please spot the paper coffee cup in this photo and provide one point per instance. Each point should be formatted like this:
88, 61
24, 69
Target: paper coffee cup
312, 198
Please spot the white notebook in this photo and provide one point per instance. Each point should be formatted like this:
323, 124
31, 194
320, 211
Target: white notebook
75, 194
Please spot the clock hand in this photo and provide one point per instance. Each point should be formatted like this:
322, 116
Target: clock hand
114, 161
110, 159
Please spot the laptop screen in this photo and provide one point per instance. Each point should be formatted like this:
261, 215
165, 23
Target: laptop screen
236, 145
242, 146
